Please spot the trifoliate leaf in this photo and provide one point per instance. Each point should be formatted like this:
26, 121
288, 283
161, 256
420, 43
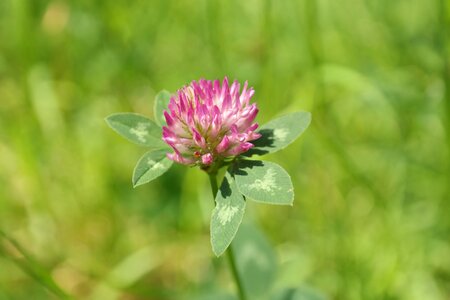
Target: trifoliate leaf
137, 129
255, 261
150, 166
280, 132
227, 215
264, 181
161, 103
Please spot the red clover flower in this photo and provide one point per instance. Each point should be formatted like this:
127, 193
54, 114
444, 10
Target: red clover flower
208, 122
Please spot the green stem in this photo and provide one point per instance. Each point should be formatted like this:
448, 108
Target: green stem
213, 182
230, 254
235, 273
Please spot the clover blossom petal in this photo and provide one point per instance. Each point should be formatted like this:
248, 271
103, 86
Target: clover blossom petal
208, 121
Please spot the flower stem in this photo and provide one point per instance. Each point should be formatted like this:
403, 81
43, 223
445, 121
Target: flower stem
213, 182
234, 271
230, 254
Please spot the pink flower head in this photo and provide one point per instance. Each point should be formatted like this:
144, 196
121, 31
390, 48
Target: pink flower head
207, 122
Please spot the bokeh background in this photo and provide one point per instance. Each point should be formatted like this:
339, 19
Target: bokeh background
371, 218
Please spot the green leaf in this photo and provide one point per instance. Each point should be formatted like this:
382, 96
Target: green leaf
255, 261
227, 215
137, 129
150, 166
280, 132
264, 181
161, 103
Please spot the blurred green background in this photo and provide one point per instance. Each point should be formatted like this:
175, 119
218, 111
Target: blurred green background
371, 218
